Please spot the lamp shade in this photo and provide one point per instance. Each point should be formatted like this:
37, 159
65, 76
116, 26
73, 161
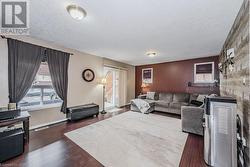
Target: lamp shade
143, 85
104, 81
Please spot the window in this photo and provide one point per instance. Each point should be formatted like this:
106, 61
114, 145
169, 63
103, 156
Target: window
41, 94
204, 72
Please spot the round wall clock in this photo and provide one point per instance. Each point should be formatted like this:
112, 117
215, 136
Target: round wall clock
88, 75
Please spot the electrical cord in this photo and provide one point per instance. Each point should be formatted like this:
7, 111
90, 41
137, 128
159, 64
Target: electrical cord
240, 145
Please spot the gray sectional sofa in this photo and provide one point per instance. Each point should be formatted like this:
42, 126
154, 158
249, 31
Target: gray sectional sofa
167, 102
191, 119
189, 106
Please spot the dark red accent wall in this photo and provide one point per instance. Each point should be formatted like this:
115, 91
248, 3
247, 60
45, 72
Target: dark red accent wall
174, 76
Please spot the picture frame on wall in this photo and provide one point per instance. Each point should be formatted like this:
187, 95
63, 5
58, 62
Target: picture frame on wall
147, 75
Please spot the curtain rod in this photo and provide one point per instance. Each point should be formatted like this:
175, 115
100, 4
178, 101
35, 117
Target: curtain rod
4, 37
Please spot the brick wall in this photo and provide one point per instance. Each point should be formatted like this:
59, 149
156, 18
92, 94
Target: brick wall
236, 82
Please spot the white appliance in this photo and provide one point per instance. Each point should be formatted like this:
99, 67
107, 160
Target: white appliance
220, 141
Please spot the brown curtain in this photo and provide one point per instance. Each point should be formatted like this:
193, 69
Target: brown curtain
24, 60
58, 66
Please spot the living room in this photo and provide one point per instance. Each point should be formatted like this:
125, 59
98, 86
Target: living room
125, 83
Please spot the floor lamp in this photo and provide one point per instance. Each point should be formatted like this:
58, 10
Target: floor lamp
103, 82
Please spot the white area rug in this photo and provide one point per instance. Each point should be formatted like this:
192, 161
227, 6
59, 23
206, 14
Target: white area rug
133, 139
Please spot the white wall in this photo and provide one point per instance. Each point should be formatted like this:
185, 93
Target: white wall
79, 91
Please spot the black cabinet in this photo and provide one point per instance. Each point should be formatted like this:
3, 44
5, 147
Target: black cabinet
11, 144
9, 114
83, 111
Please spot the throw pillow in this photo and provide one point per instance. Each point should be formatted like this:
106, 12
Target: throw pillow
196, 103
201, 98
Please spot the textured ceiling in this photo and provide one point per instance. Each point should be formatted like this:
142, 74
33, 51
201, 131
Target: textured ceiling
125, 30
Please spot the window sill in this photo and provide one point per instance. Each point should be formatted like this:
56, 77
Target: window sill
41, 107
205, 82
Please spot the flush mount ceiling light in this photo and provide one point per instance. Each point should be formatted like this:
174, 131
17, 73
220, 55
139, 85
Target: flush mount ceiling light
76, 12
151, 54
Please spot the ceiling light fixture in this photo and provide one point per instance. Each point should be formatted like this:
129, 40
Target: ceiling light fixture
76, 12
151, 54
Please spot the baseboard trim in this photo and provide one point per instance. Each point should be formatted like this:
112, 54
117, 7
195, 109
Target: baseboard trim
45, 126
126, 105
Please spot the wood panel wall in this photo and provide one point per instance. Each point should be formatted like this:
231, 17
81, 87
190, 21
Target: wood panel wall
174, 76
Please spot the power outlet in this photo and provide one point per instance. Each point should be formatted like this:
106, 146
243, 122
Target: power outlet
244, 81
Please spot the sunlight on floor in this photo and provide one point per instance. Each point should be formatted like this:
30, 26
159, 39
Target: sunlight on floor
112, 110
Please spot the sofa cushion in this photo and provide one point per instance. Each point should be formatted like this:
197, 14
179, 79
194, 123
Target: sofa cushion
150, 95
181, 97
167, 97
161, 103
177, 105
151, 102
193, 97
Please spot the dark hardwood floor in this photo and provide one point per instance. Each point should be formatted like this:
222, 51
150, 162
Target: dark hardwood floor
193, 155
50, 148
